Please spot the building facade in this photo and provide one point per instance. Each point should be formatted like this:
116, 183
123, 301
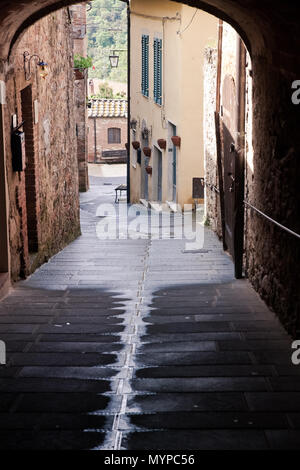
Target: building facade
107, 124
168, 41
39, 116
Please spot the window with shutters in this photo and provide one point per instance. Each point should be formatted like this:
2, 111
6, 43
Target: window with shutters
145, 65
114, 135
157, 58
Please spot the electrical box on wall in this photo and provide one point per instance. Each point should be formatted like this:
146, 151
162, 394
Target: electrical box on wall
18, 150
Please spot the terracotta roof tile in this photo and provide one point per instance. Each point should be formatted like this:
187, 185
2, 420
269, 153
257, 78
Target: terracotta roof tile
107, 108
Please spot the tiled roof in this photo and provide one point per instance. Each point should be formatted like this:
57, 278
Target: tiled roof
108, 108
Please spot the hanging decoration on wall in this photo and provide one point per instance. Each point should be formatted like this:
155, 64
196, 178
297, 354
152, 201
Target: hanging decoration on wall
176, 140
147, 151
162, 143
135, 144
41, 64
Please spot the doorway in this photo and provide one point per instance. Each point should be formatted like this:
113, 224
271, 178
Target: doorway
157, 176
4, 239
30, 169
172, 163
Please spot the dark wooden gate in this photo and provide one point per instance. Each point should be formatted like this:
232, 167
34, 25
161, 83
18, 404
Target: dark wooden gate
228, 130
233, 174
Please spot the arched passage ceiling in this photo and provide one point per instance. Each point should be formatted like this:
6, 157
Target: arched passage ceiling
269, 27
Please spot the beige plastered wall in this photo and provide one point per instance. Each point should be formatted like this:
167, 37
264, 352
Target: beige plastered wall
185, 34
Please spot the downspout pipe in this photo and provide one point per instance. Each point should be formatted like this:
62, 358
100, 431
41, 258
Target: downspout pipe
218, 132
128, 98
95, 140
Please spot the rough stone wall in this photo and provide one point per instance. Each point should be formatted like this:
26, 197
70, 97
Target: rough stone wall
79, 19
102, 126
47, 191
212, 200
271, 256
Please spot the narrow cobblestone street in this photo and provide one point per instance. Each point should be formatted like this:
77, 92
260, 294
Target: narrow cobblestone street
142, 344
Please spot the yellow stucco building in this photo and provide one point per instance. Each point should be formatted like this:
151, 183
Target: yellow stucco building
167, 58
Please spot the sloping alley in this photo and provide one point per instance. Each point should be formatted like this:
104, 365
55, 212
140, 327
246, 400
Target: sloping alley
143, 344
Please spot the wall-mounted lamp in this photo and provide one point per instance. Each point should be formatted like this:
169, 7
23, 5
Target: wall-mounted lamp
40, 63
114, 57
114, 60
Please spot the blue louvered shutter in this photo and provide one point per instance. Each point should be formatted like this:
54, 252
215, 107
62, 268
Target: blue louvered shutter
145, 65
157, 92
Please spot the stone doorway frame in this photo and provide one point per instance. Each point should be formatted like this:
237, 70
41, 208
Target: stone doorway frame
4, 208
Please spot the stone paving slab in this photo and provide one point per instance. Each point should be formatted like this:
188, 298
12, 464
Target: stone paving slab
204, 420
143, 344
221, 370
197, 440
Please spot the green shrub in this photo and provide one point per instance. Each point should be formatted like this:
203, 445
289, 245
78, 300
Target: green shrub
82, 62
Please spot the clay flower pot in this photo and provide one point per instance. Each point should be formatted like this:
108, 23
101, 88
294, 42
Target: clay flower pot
149, 170
147, 151
176, 140
79, 74
162, 143
135, 145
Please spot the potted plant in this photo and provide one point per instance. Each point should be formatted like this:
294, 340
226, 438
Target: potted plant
135, 144
162, 143
126, 146
147, 151
149, 170
81, 64
176, 140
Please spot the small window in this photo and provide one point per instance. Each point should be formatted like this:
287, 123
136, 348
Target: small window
114, 135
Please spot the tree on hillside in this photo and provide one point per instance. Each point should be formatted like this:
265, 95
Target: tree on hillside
107, 31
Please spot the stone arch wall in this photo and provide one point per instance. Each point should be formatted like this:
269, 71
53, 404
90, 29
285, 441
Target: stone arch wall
271, 33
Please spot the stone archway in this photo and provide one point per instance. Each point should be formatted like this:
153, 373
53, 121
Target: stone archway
270, 31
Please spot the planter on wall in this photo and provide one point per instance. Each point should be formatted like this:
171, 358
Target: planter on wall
147, 151
79, 74
149, 170
135, 145
176, 140
162, 143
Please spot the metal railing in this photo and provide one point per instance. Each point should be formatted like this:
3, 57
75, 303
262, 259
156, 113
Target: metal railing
247, 204
271, 220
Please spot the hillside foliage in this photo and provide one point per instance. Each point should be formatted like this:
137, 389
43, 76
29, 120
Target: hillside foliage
107, 32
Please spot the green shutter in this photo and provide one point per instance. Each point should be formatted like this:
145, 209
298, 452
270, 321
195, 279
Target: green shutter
145, 65
157, 52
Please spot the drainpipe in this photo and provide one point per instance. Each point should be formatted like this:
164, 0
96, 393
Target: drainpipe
128, 99
218, 132
95, 140
219, 66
